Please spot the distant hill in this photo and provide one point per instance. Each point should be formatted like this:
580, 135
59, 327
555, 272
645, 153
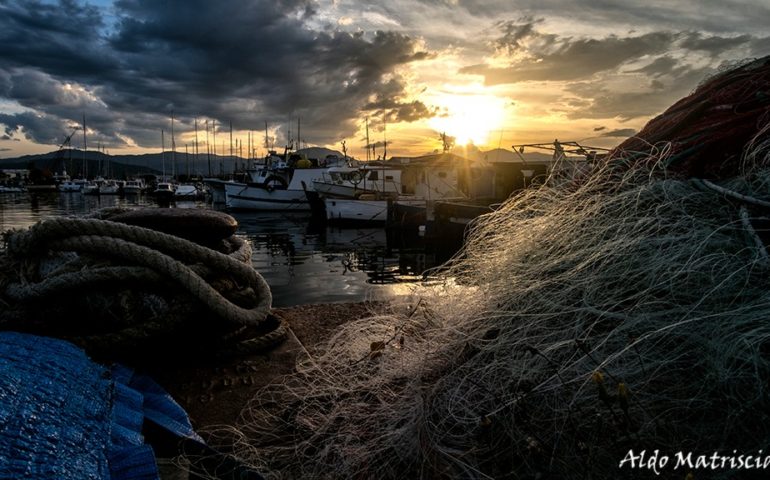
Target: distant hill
501, 154
120, 166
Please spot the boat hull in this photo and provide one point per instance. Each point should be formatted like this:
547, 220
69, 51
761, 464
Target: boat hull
249, 197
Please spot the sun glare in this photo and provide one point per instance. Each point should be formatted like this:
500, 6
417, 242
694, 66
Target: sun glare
469, 118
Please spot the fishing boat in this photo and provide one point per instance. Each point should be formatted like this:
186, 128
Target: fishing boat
279, 185
352, 182
366, 209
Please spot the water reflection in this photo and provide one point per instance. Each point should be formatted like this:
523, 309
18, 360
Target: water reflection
301, 261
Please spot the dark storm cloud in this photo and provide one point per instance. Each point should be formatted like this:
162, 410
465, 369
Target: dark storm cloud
601, 102
245, 62
547, 57
566, 59
62, 38
38, 128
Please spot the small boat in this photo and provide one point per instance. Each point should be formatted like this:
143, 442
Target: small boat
90, 188
109, 187
187, 191
133, 187
71, 186
164, 192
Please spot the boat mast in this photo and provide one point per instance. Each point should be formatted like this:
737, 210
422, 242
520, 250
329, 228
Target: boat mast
385, 153
196, 161
85, 147
163, 155
173, 148
267, 144
208, 147
367, 140
232, 159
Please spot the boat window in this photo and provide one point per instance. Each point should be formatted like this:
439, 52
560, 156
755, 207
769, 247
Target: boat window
388, 177
373, 175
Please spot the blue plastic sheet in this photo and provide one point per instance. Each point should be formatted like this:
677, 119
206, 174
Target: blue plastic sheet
63, 416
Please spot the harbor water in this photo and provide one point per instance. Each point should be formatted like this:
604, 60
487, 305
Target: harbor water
303, 262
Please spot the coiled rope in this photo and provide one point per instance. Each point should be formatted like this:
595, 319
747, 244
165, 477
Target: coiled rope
112, 254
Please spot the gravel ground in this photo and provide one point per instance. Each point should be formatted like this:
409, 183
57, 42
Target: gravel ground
214, 391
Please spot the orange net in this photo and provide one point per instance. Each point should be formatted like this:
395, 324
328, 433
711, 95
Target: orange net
709, 130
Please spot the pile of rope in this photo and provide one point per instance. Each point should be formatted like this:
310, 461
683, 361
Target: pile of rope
708, 133
624, 312
116, 289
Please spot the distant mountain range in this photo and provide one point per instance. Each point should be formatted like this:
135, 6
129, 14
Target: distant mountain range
180, 163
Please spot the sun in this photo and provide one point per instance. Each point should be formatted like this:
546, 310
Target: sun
469, 118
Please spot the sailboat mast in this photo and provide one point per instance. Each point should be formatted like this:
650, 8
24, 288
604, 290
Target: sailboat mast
299, 138
85, 147
208, 147
196, 160
367, 139
163, 155
232, 159
384, 153
173, 148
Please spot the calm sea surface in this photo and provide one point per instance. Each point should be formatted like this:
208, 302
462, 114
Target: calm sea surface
301, 262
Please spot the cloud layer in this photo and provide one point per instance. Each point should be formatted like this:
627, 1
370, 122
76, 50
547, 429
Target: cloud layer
131, 64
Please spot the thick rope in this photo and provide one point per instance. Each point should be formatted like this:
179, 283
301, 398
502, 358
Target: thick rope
154, 258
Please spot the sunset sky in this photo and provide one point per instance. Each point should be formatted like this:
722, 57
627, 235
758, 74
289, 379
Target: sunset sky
490, 72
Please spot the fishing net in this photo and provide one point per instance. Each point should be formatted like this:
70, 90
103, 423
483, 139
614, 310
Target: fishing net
624, 311
709, 132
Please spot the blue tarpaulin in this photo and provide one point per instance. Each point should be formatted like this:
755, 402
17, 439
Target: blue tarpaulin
63, 416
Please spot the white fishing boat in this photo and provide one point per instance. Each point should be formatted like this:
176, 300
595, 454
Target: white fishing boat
133, 187
367, 209
352, 182
279, 185
272, 194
